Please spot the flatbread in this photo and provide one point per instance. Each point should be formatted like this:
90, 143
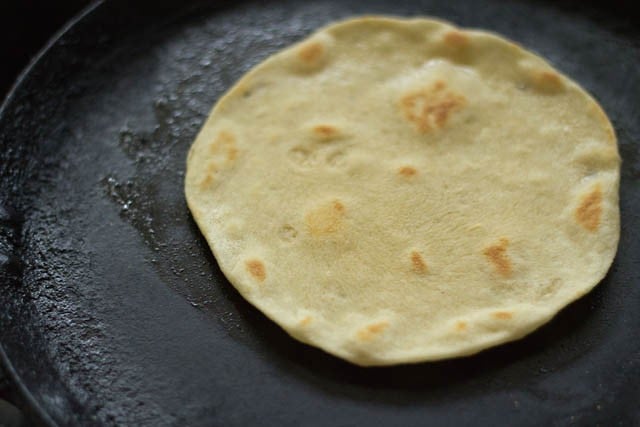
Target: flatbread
401, 190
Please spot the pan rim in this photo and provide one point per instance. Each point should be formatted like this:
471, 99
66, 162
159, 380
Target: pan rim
30, 402
17, 84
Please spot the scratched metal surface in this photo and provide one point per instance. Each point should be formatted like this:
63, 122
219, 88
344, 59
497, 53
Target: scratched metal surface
114, 311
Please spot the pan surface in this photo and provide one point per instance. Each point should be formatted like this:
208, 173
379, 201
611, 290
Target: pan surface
114, 312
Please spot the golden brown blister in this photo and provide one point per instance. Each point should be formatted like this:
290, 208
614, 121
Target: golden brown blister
311, 53
256, 269
589, 211
547, 81
456, 39
373, 331
418, 264
461, 326
502, 315
430, 108
407, 171
325, 219
497, 255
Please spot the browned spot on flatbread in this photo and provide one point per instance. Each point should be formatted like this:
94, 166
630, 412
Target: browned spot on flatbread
222, 154
456, 39
209, 176
207, 181
256, 268
224, 144
369, 332
212, 168
407, 171
589, 211
502, 315
497, 255
547, 81
325, 132
305, 321
325, 219
430, 108
417, 263
461, 326
311, 52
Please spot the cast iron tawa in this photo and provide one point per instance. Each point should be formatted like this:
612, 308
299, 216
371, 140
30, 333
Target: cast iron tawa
114, 311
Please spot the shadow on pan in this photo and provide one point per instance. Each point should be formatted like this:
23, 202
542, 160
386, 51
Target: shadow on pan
114, 311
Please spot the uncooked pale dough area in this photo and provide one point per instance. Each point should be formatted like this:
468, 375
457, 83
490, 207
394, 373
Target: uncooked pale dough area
401, 190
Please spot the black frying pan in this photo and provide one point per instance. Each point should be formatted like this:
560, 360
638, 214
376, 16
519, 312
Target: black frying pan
114, 312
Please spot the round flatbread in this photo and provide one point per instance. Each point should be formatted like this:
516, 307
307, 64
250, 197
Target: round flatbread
401, 190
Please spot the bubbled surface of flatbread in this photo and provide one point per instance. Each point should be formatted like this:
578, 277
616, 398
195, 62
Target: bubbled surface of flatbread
401, 190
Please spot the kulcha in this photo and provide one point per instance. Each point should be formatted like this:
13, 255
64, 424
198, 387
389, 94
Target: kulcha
401, 190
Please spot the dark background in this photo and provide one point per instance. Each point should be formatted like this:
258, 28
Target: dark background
25, 27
